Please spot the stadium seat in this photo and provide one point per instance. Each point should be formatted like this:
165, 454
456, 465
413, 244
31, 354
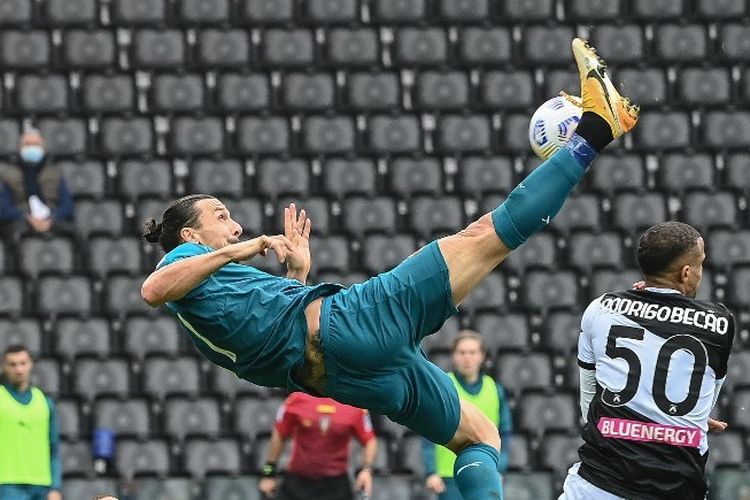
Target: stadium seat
288, 47
442, 340
63, 137
520, 372
128, 418
332, 254
610, 280
542, 45
556, 80
681, 43
528, 486
727, 129
540, 413
382, 459
187, 417
728, 248
516, 133
229, 385
363, 215
432, 216
158, 49
333, 11
464, 12
165, 376
138, 12
595, 10
343, 177
268, 11
509, 331
549, 290
704, 210
136, 458
618, 172
42, 94
108, 93
303, 91
177, 93
204, 11
144, 335
420, 47
740, 402
489, 295
92, 378
124, 296
232, 488
68, 295
85, 49
559, 452
733, 40
520, 10
478, 174
619, 43
383, 253
539, 251
705, 86
263, 134
84, 178
394, 134
202, 457
645, 86
633, 212
649, 10
371, 91
9, 136
398, 11
167, 488
353, 47
127, 136
102, 217
464, 133
115, 255
218, 177
485, 45
248, 213
11, 295
254, 416
393, 486
24, 331
587, 251
561, 331
223, 48
328, 135
519, 457
728, 483
738, 369
738, 294
411, 176
726, 449
512, 89
140, 178
726, 9
191, 136
278, 177
68, 419
579, 212
15, 12
442, 90
24, 49
75, 337
47, 377
410, 455
239, 92
738, 172
663, 130
75, 460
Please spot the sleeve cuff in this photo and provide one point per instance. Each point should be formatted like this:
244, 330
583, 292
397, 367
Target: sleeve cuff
586, 366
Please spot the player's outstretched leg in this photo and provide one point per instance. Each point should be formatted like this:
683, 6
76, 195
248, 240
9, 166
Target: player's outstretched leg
477, 250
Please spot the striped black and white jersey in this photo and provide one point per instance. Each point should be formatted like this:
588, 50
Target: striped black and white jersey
659, 359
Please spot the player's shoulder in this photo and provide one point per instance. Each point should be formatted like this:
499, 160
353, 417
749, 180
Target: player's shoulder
184, 250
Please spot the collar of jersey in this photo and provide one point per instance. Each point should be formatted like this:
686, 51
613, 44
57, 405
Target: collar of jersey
659, 289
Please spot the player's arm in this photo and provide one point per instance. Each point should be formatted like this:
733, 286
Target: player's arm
174, 281
587, 361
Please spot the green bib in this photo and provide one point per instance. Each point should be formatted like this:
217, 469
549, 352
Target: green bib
488, 403
24, 434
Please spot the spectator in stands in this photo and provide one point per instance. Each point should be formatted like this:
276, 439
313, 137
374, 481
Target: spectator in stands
321, 430
468, 356
29, 454
34, 194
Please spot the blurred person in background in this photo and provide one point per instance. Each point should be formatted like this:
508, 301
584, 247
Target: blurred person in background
321, 430
468, 356
33, 194
29, 439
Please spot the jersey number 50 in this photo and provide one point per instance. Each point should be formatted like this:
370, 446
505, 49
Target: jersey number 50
659, 388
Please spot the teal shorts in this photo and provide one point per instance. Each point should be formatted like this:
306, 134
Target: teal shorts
371, 336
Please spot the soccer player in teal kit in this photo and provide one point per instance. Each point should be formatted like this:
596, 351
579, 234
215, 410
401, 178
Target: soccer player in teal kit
360, 345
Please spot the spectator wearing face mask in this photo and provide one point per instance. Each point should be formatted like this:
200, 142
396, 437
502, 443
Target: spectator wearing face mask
33, 195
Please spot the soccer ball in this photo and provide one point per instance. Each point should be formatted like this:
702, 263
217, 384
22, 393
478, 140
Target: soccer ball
553, 124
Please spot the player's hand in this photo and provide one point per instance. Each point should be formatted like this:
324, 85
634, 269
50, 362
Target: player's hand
364, 481
435, 484
54, 495
39, 225
639, 285
297, 231
244, 250
267, 486
716, 425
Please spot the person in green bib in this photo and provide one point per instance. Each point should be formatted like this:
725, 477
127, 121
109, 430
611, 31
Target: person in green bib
468, 355
29, 454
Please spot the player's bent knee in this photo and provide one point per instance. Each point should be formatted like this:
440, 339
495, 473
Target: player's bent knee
474, 428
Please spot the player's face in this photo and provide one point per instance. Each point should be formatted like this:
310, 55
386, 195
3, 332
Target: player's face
695, 269
216, 227
17, 368
468, 358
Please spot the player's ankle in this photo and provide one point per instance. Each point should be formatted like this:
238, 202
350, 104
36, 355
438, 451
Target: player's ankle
594, 130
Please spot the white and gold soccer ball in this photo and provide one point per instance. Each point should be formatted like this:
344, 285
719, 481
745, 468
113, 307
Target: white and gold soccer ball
553, 124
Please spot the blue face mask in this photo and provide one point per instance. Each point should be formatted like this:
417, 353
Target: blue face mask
32, 154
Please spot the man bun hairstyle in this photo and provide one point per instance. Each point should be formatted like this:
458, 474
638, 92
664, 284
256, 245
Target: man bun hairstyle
664, 243
179, 214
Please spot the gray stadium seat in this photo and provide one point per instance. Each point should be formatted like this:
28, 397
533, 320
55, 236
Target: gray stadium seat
398, 11
394, 134
75, 459
618, 172
68, 419
90, 49
543, 290
42, 94
657, 9
278, 177
145, 178
63, 136
461, 12
134, 458
587, 250
115, 255
328, 134
127, 136
332, 254
124, 296
165, 376
430, 216
542, 45
253, 416
268, 11
728, 248
345, 279
489, 295
248, 213
410, 455
187, 417
88, 488
314, 91
202, 457
170, 488
727, 129
510, 89
383, 253
108, 93
229, 385
509, 331
353, 47
442, 90
419, 47
725, 449
24, 331
490, 202
68, 295
518, 453
619, 44
704, 210
204, 11
46, 376
158, 48
561, 331
197, 135
521, 10
232, 488
738, 171
705, 86
442, 340
559, 452
382, 461
556, 80
346, 177
24, 49
243, 92
93, 378
288, 47
464, 133
516, 133
478, 174
392, 487
677, 43
103, 217
176, 93
84, 178
738, 370
579, 212
138, 12
15, 12
520, 372
539, 251
317, 210
734, 40
218, 177
738, 293
145, 335
126, 417
632, 212
725, 9
332, 11
75, 337
220, 48
262, 444
740, 404
263, 135
9, 136
645, 86
370, 91
595, 10
610, 280
540, 413
411, 176
485, 45
11, 295
728, 484
663, 130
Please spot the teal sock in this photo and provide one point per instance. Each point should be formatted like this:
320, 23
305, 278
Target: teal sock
538, 198
475, 473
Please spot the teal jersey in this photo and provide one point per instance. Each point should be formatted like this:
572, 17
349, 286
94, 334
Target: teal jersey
246, 320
